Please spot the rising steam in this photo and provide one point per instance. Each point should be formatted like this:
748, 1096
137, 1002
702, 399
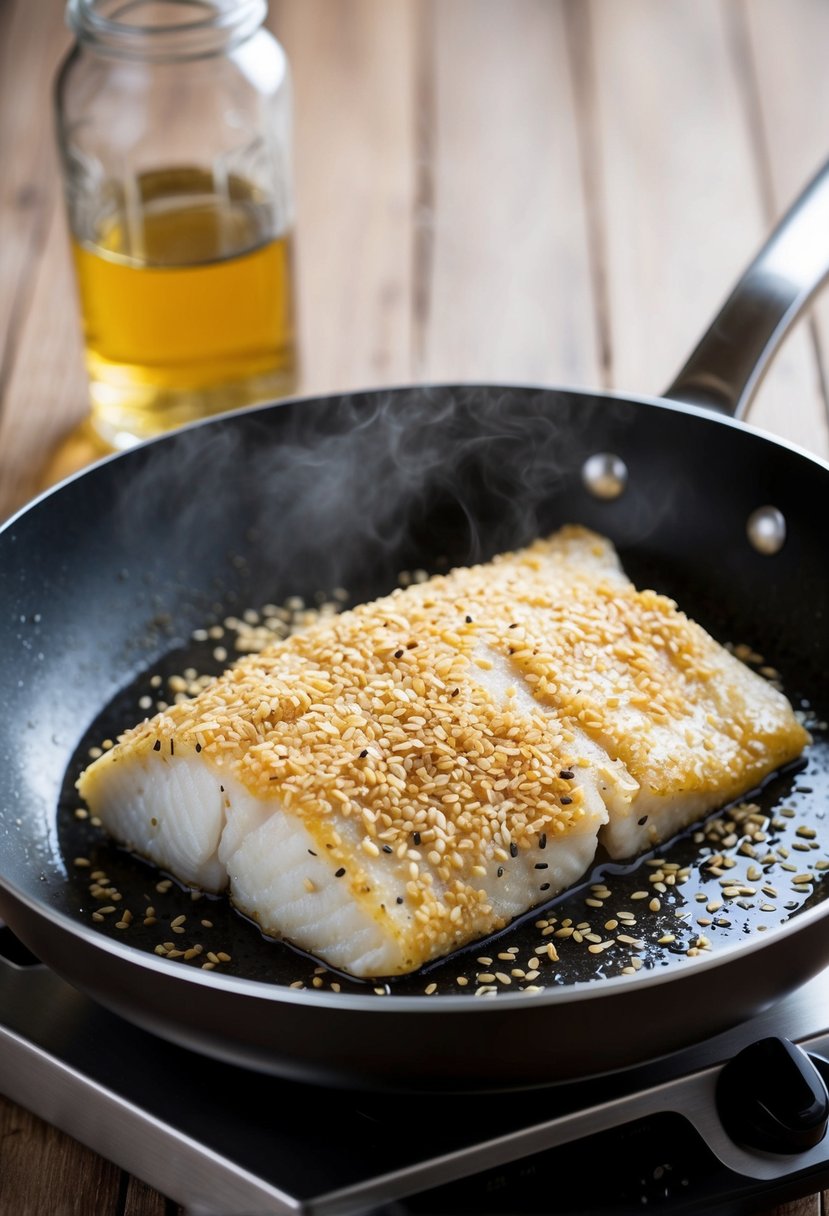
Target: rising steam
348, 490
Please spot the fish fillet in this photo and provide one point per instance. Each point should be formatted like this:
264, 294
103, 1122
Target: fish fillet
409, 776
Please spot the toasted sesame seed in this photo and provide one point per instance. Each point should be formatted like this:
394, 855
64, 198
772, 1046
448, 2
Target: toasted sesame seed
403, 785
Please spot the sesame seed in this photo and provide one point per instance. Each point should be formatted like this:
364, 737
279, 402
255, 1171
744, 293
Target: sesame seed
414, 785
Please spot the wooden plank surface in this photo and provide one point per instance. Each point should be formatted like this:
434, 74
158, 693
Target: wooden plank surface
353, 66
509, 291
556, 191
792, 99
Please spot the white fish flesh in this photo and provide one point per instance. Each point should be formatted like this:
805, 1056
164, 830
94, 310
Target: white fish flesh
407, 777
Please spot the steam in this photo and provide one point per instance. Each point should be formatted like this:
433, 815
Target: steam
346, 491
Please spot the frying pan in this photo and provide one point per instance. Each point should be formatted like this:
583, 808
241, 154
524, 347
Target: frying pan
105, 579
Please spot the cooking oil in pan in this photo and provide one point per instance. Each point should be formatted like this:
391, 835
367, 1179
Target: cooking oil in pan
745, 871
187, 302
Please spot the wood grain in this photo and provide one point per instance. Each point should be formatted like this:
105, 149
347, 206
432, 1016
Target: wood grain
42, 382
142, 1200
43, 1171
683, 197
29, 52
792, 102
46, 393
810, 1206
510, 296
353, 67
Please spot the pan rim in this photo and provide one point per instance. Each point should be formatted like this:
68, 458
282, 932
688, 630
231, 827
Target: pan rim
446, 1002
602, 395
262, 990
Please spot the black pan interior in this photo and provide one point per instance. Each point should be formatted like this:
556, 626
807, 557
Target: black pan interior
105, 581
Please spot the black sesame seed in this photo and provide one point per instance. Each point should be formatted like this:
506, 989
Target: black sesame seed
545, 886
398, 654
198, 747
416, 837
642, 821
567, 774
339, 873
541, 865
514, 625
157, 745
400, 899
221, 789
542, 840
566, 801
513, 849
455, 692
364, 753
311, 851
172, 748
500, 872
387, 848
469, 620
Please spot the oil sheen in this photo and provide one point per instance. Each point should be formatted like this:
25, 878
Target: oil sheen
187, 304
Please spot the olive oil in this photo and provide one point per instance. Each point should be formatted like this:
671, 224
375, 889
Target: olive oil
187, 303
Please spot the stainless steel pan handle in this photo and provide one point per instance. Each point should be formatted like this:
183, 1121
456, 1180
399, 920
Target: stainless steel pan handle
729, 362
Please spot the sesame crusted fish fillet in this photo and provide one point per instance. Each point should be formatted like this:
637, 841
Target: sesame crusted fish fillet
411, 775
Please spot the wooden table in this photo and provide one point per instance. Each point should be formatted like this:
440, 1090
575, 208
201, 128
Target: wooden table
521, 190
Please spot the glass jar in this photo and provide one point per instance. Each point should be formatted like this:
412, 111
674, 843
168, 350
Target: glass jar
174, 126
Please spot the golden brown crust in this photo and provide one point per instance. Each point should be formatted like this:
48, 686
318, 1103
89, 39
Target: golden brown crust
374, 719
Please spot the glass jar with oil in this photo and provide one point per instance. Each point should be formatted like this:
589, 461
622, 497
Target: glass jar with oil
174, 128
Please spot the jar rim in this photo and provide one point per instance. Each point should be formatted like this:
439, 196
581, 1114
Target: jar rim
217, 25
